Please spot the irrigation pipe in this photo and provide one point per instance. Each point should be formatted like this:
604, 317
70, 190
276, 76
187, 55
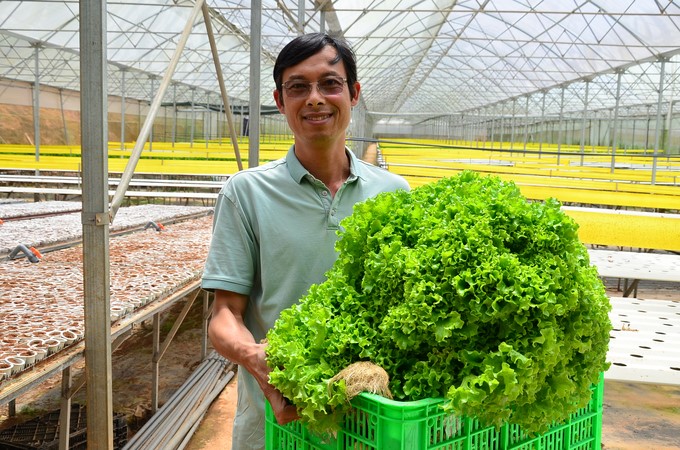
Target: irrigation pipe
162, 425
177, 416
190, 419
189, 402
182, 437
148, 428
164, 421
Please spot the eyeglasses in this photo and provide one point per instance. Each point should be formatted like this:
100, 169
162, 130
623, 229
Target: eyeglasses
327, 86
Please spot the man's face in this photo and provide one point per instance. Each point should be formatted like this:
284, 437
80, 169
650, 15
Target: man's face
315, 117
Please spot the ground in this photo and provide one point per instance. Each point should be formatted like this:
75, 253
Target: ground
640, 417
636, 416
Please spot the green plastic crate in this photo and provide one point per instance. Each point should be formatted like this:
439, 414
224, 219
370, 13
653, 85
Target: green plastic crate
377, 423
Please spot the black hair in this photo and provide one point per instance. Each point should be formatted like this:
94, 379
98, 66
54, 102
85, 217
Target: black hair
302, 47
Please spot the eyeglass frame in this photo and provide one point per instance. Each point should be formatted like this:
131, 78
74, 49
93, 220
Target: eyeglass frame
309, 84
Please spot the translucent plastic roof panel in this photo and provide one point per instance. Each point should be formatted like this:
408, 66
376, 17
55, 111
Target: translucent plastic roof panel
415, 57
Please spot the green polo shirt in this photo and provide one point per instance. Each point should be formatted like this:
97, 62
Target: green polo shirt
274, 235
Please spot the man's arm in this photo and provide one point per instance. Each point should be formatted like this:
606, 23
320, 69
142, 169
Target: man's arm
230, 337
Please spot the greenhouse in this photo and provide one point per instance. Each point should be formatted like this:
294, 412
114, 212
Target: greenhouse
121, 121
596, 74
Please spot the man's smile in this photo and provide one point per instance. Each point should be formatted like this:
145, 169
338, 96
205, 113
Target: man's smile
317, 117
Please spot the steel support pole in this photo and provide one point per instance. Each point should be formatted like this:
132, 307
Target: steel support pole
122, 109
254, 110
153, 110
485, 126
493, 129
658, 131
512, 124
526, 125
243, 124
65, 408
301, 17
649, 109
174, 114
155, 362
559, 125
96, 220
36, 102
501, 127
219, 126
669, 129
151, 88
175, 327
615, 126
632, 138
449, 129
165, 125
63, 116
193, 118
583, 122
207, 119
545, 132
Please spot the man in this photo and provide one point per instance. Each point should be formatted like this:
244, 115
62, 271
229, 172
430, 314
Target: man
276, 225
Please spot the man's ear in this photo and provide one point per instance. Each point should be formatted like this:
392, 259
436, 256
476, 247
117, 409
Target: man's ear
279, 101
355, 98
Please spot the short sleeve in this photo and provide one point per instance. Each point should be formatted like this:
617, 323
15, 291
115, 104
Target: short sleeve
232, 258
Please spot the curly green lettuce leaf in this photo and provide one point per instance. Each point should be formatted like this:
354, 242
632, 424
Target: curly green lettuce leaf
460, 289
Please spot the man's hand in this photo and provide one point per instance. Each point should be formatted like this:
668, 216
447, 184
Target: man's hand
234, 341
283, 410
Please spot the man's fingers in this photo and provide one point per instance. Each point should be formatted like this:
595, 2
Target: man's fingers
283, 411
286, 415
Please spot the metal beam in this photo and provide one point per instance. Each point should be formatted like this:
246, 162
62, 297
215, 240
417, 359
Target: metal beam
254, 110
223, 89
153, 110
36, 102
95, 218
615, 125
559, 129
65, 409
658, 131
122, 109
583, 121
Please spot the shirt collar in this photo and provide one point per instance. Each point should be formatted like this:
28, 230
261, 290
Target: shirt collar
297, 170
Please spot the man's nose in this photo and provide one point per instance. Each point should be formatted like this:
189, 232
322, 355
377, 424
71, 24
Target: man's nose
315, 96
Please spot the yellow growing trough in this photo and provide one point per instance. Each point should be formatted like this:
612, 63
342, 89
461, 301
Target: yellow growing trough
581, 180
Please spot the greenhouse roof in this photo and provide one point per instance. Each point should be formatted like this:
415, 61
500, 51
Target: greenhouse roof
415, 57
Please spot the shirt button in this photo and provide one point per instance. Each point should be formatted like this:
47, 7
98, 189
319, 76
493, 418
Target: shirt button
324, 193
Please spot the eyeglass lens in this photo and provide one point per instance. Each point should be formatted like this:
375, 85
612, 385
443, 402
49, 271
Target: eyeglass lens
327, 86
